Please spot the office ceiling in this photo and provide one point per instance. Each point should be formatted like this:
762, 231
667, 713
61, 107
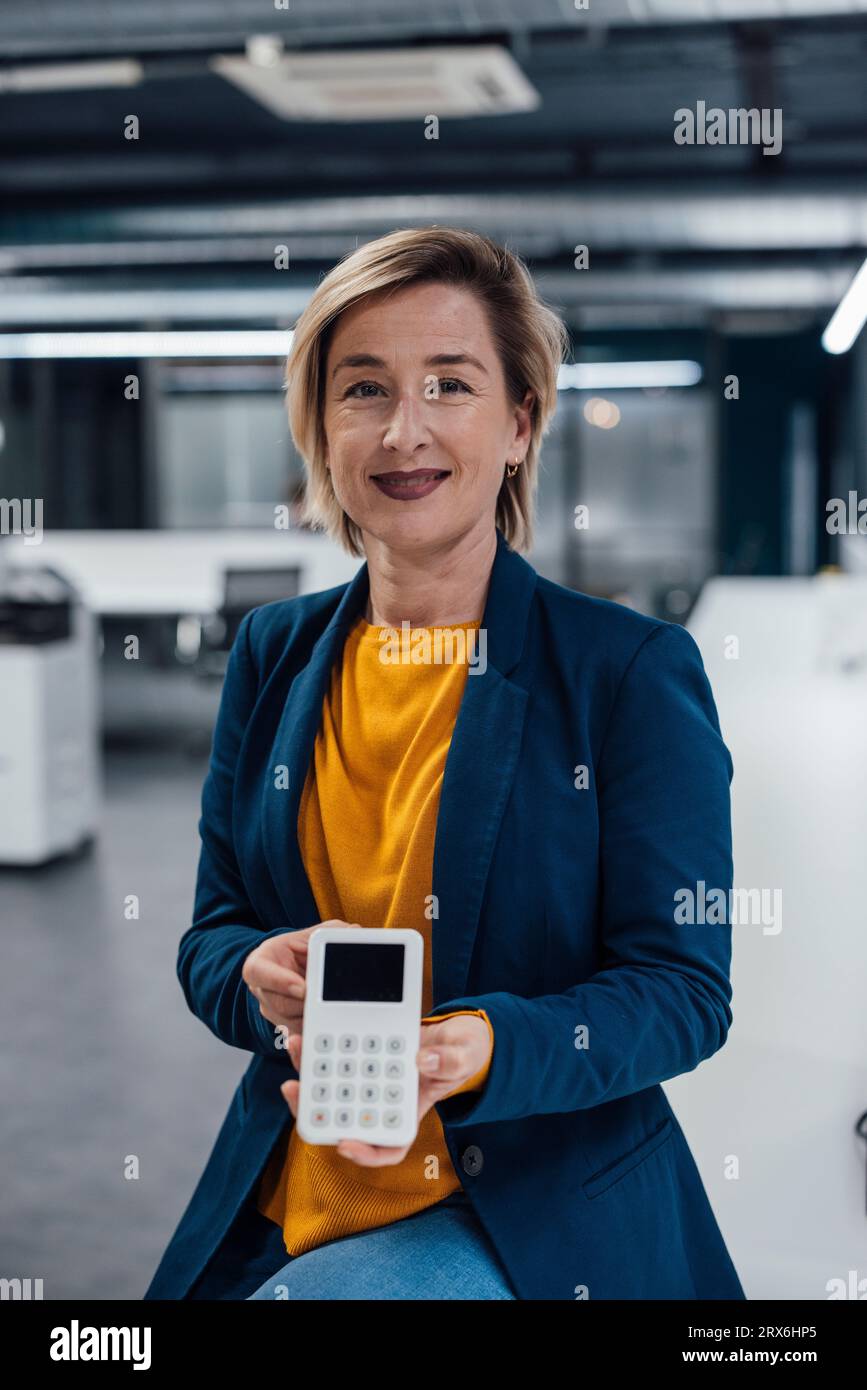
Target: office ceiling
110, 26
606, 114
216, 178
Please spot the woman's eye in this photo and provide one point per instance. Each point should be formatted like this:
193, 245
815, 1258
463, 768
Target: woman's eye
446, 386
359, 387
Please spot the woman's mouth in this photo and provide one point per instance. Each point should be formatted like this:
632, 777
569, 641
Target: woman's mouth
417, 482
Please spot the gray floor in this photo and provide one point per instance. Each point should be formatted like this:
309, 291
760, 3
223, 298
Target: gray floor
100, 1059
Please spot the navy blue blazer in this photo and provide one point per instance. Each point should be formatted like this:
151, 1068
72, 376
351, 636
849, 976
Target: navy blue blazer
557, 915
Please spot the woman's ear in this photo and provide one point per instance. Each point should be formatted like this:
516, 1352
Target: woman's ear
524, 414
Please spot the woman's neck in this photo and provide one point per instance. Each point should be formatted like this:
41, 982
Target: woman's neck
431, 588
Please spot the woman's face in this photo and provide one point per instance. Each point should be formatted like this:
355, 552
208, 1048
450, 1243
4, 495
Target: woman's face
417, 422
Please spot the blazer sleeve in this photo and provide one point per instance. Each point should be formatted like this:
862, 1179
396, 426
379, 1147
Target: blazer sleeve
225, 928
660, 1002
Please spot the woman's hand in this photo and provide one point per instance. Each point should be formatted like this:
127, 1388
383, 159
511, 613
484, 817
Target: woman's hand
276, 973
462, 1046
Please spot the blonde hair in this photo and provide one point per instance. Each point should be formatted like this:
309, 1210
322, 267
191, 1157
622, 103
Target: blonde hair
530, 338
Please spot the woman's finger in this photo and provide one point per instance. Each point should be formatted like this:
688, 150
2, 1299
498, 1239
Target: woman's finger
289, 1090
452, 1064
279, 1010
280, 979
370, 1155
276, 999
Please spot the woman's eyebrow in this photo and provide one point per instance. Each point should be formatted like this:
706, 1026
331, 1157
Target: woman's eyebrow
358, 359
456, 359
442, 359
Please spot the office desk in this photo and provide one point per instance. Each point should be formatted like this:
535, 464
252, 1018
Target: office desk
164, 573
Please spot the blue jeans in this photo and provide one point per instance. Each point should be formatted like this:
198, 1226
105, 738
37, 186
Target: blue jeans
438, 1253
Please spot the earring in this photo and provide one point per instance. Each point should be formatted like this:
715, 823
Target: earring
511, 469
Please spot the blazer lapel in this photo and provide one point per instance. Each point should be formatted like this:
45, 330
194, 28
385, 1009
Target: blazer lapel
291, 755
479, 771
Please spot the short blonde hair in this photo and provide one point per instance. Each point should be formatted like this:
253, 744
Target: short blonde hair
531, 341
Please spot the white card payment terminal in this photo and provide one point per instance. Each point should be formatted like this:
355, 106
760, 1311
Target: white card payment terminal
361, 1033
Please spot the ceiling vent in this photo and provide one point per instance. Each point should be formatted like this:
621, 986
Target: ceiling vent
388, 84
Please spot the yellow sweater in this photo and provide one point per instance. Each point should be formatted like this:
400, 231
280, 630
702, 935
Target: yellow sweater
366, 827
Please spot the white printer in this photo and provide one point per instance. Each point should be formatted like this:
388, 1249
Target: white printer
49, 731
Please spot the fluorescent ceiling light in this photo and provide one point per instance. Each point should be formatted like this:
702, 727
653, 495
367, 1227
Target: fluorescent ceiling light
849, 317
265, 342
256, 342
30, 302
613, 376
698, 11
56, 77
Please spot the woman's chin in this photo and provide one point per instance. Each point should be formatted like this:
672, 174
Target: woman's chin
409, 527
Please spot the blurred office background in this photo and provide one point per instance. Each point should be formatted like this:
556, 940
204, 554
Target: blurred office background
703, 423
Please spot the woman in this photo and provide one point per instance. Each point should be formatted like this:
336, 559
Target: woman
535, 807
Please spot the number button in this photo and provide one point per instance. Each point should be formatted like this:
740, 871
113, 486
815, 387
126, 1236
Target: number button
322, 1066
343, 1118
324, 1042
346, 1066
321, 1090
369, 1093
370, 1067
371, 1043
346, 1091
348, 1043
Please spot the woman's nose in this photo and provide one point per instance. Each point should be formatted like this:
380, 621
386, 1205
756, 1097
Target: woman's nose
407, 426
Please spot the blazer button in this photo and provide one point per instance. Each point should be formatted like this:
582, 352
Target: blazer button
471, 1160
